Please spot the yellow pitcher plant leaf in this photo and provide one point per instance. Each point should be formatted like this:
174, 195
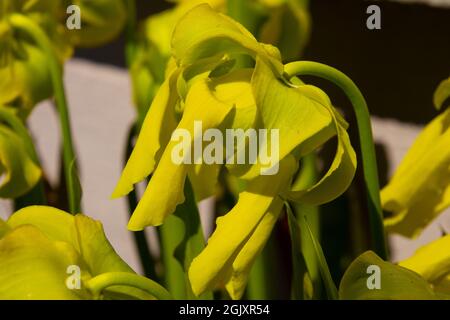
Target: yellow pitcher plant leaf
35, 267
85, 238
395, 282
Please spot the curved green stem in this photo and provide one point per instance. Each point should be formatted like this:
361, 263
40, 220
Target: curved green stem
366, 140
99, 283
26, 25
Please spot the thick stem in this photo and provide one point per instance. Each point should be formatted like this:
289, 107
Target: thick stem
366, 140
34, 31
99, 283
312, 215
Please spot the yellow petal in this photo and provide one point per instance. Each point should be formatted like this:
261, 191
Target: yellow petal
243, 262
338, 177
214, 264
431, 261
153, 137
419, 189
165, 189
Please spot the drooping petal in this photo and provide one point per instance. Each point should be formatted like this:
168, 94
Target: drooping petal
153, 137
214, 264
419, 189
165, 189
338, 177
242, 264
20, 172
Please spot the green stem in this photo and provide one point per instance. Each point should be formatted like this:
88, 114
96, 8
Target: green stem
26, 25
366, 141
99, 283
312, 214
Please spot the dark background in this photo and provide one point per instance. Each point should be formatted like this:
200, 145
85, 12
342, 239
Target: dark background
397, 68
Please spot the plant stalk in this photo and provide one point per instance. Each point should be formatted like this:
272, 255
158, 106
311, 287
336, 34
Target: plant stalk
28, 26
366, 141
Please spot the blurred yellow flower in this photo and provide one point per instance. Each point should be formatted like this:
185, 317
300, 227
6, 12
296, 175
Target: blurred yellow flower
420, 187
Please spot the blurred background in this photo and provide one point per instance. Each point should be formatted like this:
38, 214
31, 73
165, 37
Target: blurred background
397, 68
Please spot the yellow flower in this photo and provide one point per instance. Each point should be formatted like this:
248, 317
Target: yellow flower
420, 188
204, 85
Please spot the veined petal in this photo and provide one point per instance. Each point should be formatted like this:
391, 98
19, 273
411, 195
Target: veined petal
242, 264
154, 136
431, 261
20, 172
214, 264
419, 189
303, 124
165, 189
203, 32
